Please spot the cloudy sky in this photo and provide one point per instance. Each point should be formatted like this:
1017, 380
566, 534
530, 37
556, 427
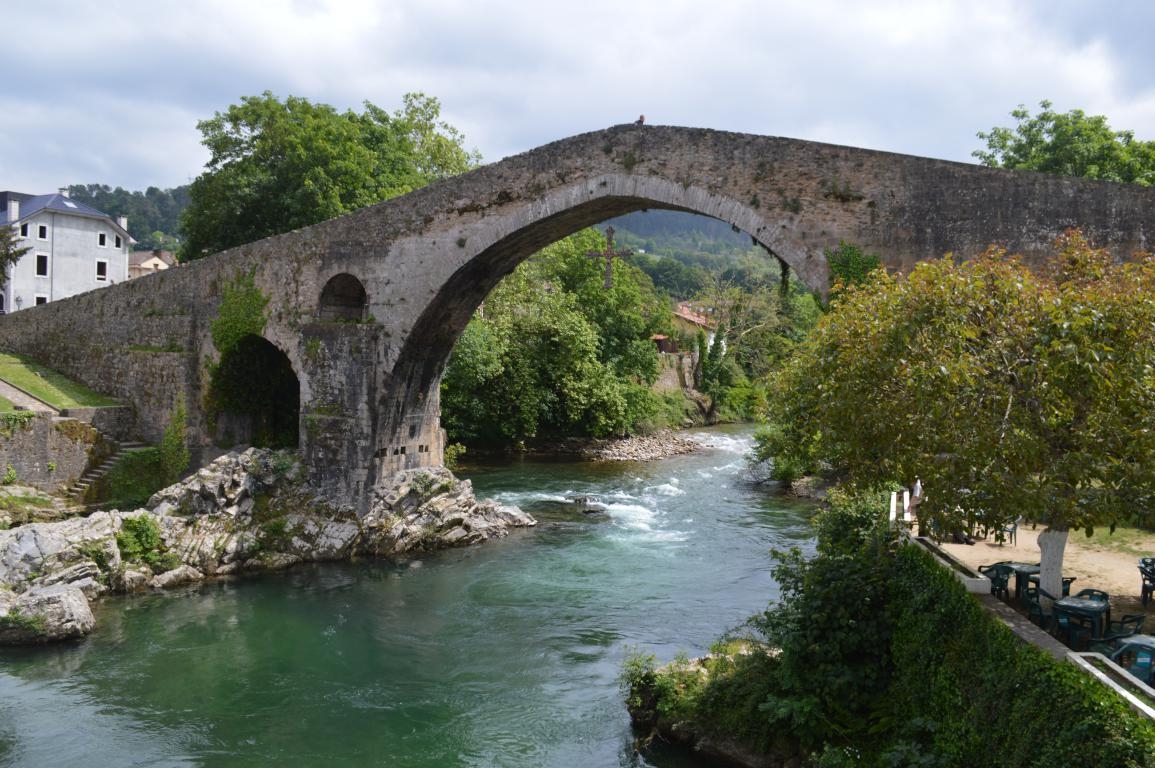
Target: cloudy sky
111, 92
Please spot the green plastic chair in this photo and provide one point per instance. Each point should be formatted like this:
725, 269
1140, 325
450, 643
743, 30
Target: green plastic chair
1147, 573
1141, 657
1009, 532
1071, 628
1035, 610
999, 575
1120, 629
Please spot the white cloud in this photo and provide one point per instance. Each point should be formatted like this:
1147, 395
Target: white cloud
116, 97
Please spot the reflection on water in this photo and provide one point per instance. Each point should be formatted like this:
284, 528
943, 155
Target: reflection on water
506, 654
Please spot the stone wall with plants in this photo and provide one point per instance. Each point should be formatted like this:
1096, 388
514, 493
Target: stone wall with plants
42, 451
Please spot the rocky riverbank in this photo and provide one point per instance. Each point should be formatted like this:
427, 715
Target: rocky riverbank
636, 448
244, 512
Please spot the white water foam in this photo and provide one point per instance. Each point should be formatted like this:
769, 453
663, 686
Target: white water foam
726, 443
666, 489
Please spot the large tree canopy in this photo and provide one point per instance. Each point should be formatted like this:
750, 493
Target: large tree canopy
554, 352
280, 165
1071, 144
1009, 393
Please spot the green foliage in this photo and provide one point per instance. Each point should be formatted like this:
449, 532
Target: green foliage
96, 552
16, 620
153, 215
1009, 393
253, 377
453, 454
553, 352
130, 482
9, 475
241, 314
13, 420
849, 265
174, 451
883, 659
10, 251
275, 165
1070, 144
140, 541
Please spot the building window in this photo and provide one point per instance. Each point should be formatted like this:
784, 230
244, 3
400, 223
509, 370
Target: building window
42, 231
102, 240
24, 229
118, 241
41, 299
42, 265
101, 270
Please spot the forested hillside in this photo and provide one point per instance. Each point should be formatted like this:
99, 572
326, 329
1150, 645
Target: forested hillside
153, 215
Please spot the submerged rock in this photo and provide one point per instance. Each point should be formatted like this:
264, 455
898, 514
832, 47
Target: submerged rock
243, 512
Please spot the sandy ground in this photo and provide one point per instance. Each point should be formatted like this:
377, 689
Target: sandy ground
1114, 572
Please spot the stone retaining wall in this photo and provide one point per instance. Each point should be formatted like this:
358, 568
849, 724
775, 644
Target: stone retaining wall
46, 451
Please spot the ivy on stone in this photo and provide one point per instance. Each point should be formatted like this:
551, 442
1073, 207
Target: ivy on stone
241, 313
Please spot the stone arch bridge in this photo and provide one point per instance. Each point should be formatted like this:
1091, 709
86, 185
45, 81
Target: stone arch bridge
365, 309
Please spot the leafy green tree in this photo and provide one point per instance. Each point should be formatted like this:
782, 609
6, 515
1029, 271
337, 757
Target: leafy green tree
849, 265
1008, 393
552, 352
10, 252
757, 325
1071, 144
626, 314
279, 165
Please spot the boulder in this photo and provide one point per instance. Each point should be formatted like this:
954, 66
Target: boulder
46, 613
183, 574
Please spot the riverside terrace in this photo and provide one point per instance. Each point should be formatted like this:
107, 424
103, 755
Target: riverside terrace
348, 324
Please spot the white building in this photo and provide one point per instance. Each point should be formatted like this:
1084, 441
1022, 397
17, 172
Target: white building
73, 248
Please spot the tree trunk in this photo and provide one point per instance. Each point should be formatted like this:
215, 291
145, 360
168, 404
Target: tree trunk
1052, 543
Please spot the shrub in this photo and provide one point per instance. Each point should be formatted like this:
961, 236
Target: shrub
140, 541
883, 659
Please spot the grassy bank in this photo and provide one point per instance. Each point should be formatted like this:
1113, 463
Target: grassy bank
47, 385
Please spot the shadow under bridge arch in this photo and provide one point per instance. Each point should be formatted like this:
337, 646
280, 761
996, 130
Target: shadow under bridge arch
254, 397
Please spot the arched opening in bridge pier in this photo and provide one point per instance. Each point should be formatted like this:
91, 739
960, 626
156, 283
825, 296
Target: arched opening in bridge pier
255, 397
413, 386
343, 300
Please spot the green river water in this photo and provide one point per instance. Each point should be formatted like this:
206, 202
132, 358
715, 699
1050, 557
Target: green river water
505, 654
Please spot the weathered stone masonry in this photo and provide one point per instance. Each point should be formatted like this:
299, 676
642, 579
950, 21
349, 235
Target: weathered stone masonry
369, 394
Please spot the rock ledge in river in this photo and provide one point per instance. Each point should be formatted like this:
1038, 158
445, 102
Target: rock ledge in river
243, 512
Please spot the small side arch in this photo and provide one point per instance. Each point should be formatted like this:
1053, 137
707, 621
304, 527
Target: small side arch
254, 397
343, 299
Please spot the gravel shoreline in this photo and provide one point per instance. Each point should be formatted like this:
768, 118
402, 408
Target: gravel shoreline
637, 448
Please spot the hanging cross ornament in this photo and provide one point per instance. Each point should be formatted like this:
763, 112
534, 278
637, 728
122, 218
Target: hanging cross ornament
609, 254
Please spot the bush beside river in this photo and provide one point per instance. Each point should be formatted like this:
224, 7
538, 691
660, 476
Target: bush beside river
880, 659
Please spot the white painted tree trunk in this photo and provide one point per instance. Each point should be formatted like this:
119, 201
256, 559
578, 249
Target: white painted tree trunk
1052, 544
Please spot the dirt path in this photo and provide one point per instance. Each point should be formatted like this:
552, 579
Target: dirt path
1114, 572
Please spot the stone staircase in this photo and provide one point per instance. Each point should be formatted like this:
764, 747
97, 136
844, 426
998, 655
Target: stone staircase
84, 482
